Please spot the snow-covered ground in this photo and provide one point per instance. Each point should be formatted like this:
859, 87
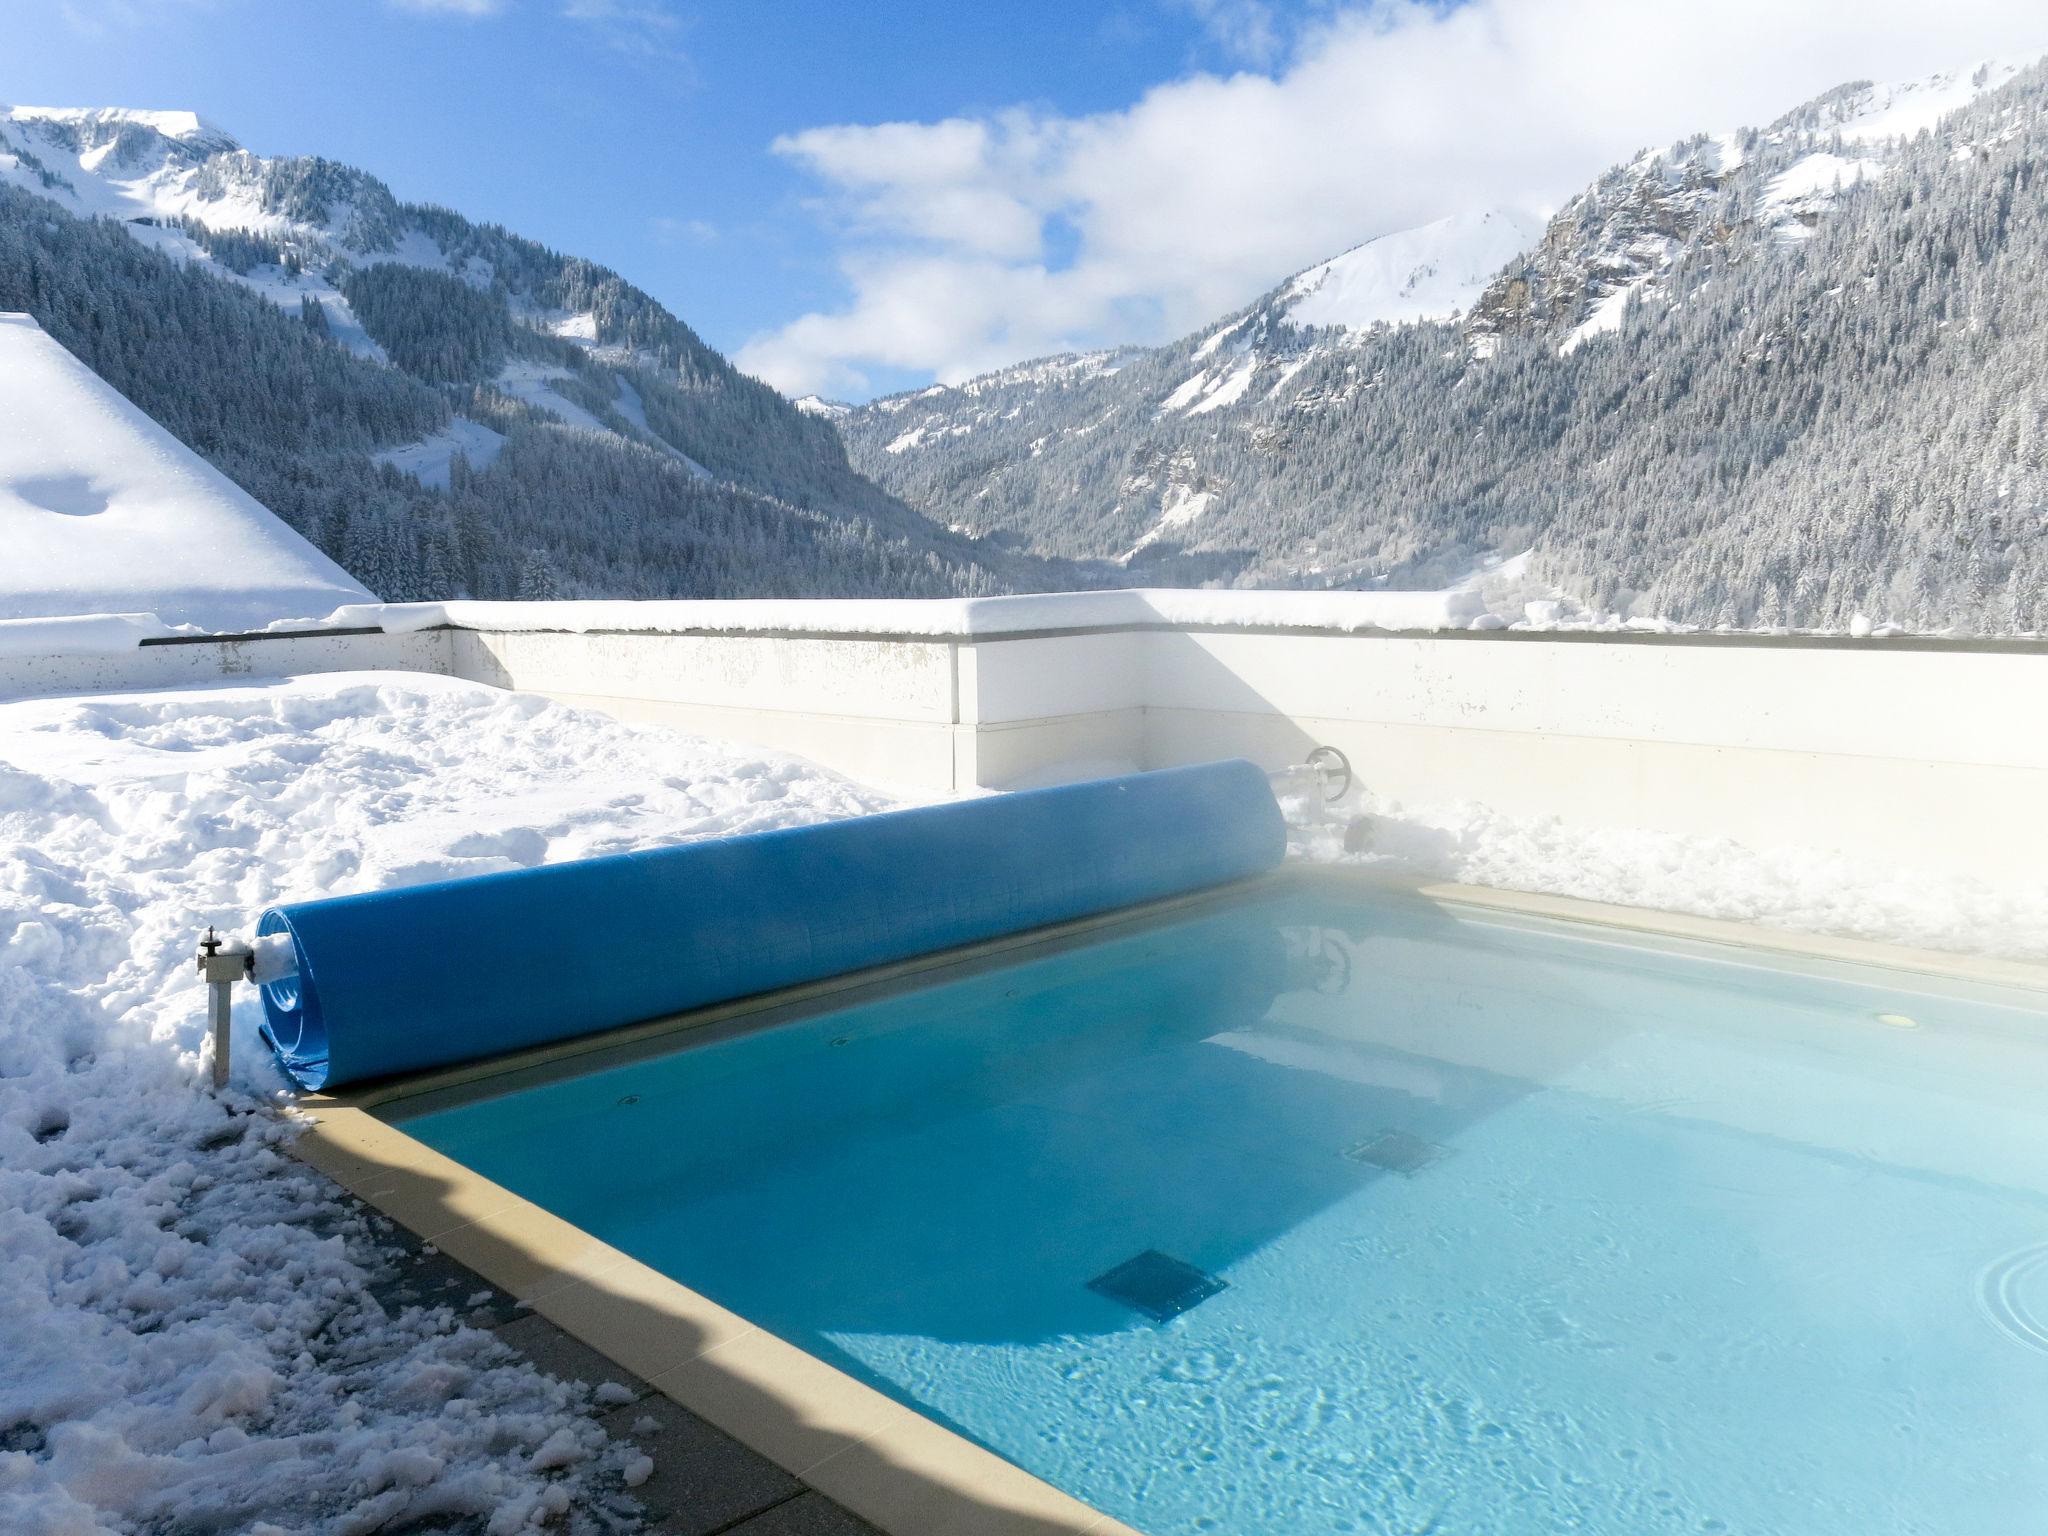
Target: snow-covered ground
186, 1338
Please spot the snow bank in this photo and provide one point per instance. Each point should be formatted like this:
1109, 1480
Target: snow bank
1803, 889
103, 512
187, 1337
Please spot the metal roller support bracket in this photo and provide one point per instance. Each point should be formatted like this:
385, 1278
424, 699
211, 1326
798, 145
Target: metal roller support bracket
222, 963
1333, 772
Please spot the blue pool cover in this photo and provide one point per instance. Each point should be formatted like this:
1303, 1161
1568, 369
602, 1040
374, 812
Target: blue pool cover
395, 981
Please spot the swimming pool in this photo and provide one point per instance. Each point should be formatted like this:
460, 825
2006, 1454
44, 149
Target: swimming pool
1314, 1209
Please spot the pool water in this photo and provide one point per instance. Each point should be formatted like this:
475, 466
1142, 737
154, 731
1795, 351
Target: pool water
1456, 1223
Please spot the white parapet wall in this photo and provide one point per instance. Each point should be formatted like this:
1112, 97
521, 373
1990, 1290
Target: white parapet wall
1931, 754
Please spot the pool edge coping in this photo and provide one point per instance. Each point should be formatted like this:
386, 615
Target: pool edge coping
1950, 965
885, 1462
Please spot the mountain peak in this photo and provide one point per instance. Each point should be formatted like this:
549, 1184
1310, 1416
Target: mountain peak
187, 128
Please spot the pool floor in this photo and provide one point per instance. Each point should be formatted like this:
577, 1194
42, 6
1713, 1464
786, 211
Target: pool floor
1319, 1211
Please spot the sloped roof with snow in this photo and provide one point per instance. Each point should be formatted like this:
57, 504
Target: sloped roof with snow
102, 511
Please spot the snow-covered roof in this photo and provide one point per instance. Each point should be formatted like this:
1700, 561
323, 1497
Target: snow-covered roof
102, 511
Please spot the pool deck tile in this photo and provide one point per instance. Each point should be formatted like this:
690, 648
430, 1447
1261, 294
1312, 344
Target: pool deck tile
630, 1312
568, 1358
907, 1478
528, 1251
782, 1401
411, 1183
706, 1480
423, 1277
809, 1514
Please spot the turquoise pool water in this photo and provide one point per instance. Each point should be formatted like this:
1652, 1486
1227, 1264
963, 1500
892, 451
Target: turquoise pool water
1481, 1226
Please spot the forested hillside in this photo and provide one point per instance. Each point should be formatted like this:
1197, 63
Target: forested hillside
444, 407
1782, 376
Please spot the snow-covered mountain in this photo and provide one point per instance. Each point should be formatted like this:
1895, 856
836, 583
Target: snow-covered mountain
530, 421
1433, 401
1617, 239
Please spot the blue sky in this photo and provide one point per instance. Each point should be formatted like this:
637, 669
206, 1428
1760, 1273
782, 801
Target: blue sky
853, 195
637, 135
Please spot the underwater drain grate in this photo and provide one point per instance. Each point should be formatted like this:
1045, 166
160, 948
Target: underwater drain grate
1157, 1284
1398, 1152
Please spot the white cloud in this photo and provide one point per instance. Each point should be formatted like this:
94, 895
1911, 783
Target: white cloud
669, 230
647, 28
451, 7
1246, 30
1210, 189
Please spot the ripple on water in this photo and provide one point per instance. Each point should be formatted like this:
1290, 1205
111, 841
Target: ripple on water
2013, 1294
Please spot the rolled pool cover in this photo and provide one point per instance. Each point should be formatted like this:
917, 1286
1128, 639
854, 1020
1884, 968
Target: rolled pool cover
395, 981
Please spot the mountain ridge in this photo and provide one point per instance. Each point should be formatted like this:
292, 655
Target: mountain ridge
1261, 451
530, 359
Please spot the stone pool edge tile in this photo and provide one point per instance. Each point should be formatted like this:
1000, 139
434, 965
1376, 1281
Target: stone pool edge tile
916, 1476
1952, 965
885, 1462
882, 1461
420, 1189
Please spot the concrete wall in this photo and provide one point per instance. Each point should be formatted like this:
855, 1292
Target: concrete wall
1936, 756
1931, 754
203, 663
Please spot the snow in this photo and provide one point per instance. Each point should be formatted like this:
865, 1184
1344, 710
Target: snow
1184, 394
157, 183
1801, 889
1903, 109
1724, 155
1217, 340
1605, 318
533, 382
1809, 186
1183, 506
944, 616
1227, 391
634, 409
188, 126
428, 460
1289, 370
1429, 273
578, 327
831, 410
188, 1340
104, 512
903, 442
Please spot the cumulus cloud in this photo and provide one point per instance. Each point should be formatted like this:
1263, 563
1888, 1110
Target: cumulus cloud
974, 241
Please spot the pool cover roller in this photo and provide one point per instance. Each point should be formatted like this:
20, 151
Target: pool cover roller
426, 975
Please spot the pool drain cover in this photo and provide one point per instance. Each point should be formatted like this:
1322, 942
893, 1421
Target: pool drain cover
1398, 1152
1157, 1284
